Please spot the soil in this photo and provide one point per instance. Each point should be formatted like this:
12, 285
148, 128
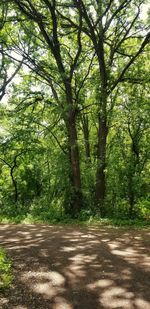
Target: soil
70, 267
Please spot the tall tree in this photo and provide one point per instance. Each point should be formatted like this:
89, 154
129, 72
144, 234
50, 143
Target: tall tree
42, 22
113, 27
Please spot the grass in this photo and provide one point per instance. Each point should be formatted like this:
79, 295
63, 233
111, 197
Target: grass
40, 211
91, 220
5, 270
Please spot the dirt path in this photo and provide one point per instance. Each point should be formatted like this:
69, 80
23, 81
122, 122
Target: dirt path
76, 268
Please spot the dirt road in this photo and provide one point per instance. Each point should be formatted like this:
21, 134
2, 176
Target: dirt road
63, 267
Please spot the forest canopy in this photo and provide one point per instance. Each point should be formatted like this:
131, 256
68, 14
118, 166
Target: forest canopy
74, 91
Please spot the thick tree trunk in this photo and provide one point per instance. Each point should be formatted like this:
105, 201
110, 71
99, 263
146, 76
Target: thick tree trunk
75, 178
76, 202
100, 188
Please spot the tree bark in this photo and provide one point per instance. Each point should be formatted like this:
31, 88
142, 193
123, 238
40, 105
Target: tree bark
85, 127
100, 187
75, 178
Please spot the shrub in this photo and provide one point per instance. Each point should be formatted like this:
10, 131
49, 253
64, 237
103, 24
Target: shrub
5, 270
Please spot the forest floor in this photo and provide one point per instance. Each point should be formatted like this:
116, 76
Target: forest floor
70, 267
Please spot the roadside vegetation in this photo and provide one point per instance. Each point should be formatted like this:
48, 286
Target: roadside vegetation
56, 215
5, 270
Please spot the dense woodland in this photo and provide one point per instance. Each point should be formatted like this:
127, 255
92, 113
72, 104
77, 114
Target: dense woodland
74, 108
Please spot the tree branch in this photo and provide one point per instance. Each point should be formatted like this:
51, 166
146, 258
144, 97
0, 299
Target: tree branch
145, 42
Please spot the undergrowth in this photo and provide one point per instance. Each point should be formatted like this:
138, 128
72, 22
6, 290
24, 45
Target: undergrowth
41, 212
5, 270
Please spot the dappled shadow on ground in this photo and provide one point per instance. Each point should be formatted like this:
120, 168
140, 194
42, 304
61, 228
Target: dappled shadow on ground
62, 267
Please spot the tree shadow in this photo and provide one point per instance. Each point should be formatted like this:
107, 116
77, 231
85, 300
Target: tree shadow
73, 267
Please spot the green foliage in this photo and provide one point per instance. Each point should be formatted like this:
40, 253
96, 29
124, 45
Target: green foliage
41, 211
72, 78
5, 270
143, 209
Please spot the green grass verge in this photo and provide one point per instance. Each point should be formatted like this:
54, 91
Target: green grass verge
96, 221
5, 270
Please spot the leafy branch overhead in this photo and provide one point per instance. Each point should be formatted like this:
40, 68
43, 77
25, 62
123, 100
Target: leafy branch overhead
74, 92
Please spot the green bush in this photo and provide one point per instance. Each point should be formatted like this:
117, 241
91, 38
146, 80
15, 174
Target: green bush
143, 209
5, 270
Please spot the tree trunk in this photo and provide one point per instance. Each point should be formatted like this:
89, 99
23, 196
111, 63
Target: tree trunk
85, 126
75, 178
100, 188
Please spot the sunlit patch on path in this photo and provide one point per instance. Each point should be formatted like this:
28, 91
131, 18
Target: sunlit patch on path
71, 268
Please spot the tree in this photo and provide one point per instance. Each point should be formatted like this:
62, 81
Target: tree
75, 62
128, 150
113, 27
64, 65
